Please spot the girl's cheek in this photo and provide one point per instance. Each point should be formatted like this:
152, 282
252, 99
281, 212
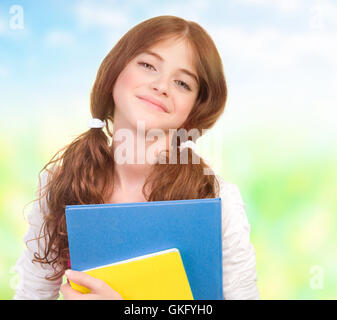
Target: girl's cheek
132, 79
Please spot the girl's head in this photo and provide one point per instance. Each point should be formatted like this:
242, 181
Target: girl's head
147, 61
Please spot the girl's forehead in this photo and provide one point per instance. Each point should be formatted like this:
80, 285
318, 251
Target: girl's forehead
171, 43
176, 47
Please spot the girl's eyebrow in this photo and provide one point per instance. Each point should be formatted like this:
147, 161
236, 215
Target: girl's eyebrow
189, 73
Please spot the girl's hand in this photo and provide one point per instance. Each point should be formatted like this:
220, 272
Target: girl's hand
99, 289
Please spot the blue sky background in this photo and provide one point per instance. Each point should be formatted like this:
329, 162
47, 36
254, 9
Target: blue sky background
276, 139
279, 56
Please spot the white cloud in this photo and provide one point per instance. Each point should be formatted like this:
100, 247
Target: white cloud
271, 48
294, 75
102, 14
59, 38
123, 15
323, 16
280, 5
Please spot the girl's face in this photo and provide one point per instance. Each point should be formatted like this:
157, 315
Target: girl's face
164, 74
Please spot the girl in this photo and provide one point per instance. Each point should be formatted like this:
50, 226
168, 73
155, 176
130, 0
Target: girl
165, 73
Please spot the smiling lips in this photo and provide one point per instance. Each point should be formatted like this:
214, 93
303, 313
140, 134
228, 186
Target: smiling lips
153, 101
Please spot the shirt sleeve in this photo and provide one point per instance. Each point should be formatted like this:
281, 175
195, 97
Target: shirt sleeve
32, 284
239, 262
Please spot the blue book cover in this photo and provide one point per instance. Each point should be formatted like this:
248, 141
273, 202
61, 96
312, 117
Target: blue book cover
106, 233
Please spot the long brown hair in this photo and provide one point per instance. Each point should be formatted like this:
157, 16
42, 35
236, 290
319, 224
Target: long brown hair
82, 172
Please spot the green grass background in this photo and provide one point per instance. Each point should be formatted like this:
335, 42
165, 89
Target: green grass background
287, 182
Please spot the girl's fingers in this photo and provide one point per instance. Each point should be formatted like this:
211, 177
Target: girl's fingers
83, 279
69, 293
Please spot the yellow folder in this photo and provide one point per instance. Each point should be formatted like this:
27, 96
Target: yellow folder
156, 276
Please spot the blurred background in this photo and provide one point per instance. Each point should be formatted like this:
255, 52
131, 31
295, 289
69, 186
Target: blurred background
276, 139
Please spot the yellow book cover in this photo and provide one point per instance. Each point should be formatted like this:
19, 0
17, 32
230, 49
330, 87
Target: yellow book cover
156, 276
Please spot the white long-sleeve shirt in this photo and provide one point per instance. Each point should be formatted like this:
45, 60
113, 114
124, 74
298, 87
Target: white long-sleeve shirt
238, 254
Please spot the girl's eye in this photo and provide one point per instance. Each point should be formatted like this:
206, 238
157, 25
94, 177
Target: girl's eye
184, 85
145, 64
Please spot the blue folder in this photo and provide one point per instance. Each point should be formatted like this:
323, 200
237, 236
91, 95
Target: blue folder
106, 233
